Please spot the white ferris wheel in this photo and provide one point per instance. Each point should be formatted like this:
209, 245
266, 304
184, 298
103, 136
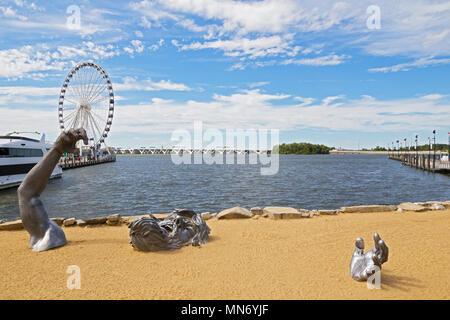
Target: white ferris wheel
87, 101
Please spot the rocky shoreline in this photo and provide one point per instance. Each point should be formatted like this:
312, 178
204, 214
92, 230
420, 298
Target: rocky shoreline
274, 213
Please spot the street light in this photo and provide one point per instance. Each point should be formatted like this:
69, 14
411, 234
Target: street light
429, 150
398, 149
434, 149
417, 152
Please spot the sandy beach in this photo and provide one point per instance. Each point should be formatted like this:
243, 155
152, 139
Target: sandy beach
245, 259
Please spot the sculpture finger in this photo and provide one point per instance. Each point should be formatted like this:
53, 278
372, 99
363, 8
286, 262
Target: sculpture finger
384, 251
359, 243
376, 238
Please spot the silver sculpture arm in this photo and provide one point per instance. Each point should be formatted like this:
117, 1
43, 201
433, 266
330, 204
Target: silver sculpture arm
44, 233
362, 266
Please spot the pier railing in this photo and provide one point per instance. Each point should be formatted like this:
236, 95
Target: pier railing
429, 162
71, 162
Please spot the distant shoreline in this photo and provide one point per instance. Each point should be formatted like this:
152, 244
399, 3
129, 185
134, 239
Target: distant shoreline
331, 152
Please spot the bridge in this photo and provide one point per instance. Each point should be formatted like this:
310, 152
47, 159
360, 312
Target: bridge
175, 150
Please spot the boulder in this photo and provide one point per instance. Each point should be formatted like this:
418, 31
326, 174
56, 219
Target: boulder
81, 223
369, 208
409, 206
278, 213
256, 217
437, 206
12, 225
93, 221
206, 215
327, 212
58, 221
314, 213
113, 220
234, 213
69, 222
399, 210
256, 211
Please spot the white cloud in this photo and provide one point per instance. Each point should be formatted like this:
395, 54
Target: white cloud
130, 83
139, 34
304, 101
248, 48
328, 100
249, 109
27, 60
419, 63
138, 45
329, 60
8, 12
254, 109
258, 84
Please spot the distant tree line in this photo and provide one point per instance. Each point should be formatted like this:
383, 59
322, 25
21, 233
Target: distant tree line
439, 146
302, 148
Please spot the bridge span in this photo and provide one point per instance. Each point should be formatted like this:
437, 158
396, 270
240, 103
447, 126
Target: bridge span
173, 150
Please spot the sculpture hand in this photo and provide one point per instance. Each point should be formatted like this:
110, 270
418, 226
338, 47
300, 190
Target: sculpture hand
363, 265
67, 139
380, 251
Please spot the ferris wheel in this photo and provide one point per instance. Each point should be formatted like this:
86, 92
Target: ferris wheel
87, 101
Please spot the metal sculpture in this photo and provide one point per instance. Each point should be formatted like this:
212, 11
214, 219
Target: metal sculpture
363, 265
44, 233
180, 228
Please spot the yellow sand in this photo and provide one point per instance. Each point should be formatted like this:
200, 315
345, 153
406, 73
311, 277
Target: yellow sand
245, 259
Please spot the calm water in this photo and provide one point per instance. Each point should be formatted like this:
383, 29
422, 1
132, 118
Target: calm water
139, 184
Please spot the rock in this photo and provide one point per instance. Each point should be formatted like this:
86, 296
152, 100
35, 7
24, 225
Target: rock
256, 211
409, 206
81, 223
92, 221
369, 208
206, 215
437, 206
314, 213
69, 222
399, 210
12, 225
234, 213
277, 213
113, 220
256, 217
58, 221
327, 212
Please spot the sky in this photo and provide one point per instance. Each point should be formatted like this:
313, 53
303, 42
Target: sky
346, 74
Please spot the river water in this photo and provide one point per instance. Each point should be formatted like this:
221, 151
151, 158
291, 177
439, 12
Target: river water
136, 185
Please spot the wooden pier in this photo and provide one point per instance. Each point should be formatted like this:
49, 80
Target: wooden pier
78, 162
423, 161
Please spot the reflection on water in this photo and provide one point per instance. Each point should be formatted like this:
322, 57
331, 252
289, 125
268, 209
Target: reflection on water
139, 184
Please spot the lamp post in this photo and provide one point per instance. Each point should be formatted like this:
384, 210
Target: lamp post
429, 150
393, 148
398, 149
417, 152
434, 149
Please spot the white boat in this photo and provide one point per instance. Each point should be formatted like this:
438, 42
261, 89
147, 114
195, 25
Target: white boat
18, 155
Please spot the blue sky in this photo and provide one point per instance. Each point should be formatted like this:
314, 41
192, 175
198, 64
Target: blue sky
314, 70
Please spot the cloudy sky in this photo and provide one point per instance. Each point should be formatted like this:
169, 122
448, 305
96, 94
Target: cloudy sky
319, 71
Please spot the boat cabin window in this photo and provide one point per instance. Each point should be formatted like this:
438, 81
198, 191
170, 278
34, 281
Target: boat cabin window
20, 152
